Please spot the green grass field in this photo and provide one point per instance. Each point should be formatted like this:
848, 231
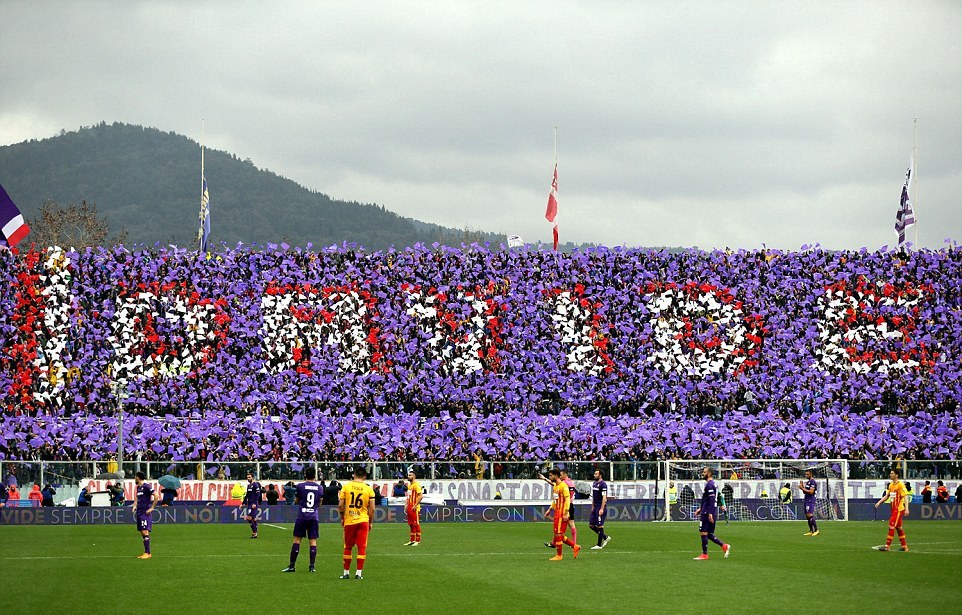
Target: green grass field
482, 568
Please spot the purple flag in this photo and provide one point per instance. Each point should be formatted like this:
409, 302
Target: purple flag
905, 216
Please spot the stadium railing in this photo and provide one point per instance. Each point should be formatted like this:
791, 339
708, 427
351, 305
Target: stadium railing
831, 474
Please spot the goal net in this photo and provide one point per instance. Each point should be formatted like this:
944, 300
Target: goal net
757, 490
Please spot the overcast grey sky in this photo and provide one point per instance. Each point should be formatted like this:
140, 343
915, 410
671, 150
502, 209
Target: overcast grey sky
679, 123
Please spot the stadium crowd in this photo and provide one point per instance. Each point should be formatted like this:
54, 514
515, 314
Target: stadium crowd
452, 353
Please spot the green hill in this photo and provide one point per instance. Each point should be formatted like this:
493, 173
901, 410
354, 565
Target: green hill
148, 182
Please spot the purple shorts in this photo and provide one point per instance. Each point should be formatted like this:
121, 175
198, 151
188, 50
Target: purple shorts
809, 508
305, 528
144, 522
597, 520
704, 525
252, 511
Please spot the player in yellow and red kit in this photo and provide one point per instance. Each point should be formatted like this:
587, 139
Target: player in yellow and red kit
412, 509
561, 510
897, 494
356, 507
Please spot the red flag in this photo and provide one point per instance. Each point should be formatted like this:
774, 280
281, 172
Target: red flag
551, 214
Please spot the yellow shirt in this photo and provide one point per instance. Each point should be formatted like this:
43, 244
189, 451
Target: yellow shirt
897, 495
562, 498
356, 496
414, 490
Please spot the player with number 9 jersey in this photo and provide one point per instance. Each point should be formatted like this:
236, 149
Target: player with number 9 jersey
308, 499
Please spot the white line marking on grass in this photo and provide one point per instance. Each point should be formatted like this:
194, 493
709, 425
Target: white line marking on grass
280, 527
425, 553
944, 542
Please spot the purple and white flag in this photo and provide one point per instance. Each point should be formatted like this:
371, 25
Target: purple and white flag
13, 226
905, 216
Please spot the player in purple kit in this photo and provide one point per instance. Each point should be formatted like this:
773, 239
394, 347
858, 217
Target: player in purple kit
252, 499
707, 514
599, 509
308, 498
144, 503
809, 487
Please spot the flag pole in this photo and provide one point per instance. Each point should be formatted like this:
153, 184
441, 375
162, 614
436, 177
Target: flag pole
200, 233
556, 146
915, 182
556, 170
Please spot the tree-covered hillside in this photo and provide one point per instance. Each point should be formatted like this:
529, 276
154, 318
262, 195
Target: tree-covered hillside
148, 182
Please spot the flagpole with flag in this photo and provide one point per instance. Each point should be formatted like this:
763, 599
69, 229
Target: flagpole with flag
551, 213
203, 233
915, 171
905, 216
14, 227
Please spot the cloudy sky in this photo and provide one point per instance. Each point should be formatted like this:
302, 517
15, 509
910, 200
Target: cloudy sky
679, 123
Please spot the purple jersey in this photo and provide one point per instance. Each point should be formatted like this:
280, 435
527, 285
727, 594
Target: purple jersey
599, 489
253, 495
145, 498
309, 496
810, 497
709, 499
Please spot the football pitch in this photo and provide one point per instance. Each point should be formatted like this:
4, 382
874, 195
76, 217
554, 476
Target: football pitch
482, 568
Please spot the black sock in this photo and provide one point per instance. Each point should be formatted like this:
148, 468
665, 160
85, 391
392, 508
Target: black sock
295, 549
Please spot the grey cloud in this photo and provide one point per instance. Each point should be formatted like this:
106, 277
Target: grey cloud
685, 123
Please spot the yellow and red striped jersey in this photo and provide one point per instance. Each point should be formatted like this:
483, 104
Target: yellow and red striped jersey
415, 492
562, 498
356, 495
897, 495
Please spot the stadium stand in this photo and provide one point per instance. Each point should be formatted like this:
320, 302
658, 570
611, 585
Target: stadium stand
450, 353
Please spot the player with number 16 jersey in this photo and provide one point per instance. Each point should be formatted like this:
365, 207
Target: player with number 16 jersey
356, 507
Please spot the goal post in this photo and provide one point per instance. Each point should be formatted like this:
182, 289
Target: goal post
757, 489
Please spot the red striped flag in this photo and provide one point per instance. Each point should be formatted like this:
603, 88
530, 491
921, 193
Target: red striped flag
551, 214
13, 228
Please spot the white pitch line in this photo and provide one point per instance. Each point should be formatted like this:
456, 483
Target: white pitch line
280, 527
416, 553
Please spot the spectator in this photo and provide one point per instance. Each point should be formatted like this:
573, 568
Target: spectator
399, 489
958, 494
728, 492
13, 494
941, 493
927, 493
272, 494
3, 497
785, 494
290, 492
35, 495
909, 494
168, 496
83, 498
11, 478
378, 498
220, 473
331, 493
47, 495
116, 494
